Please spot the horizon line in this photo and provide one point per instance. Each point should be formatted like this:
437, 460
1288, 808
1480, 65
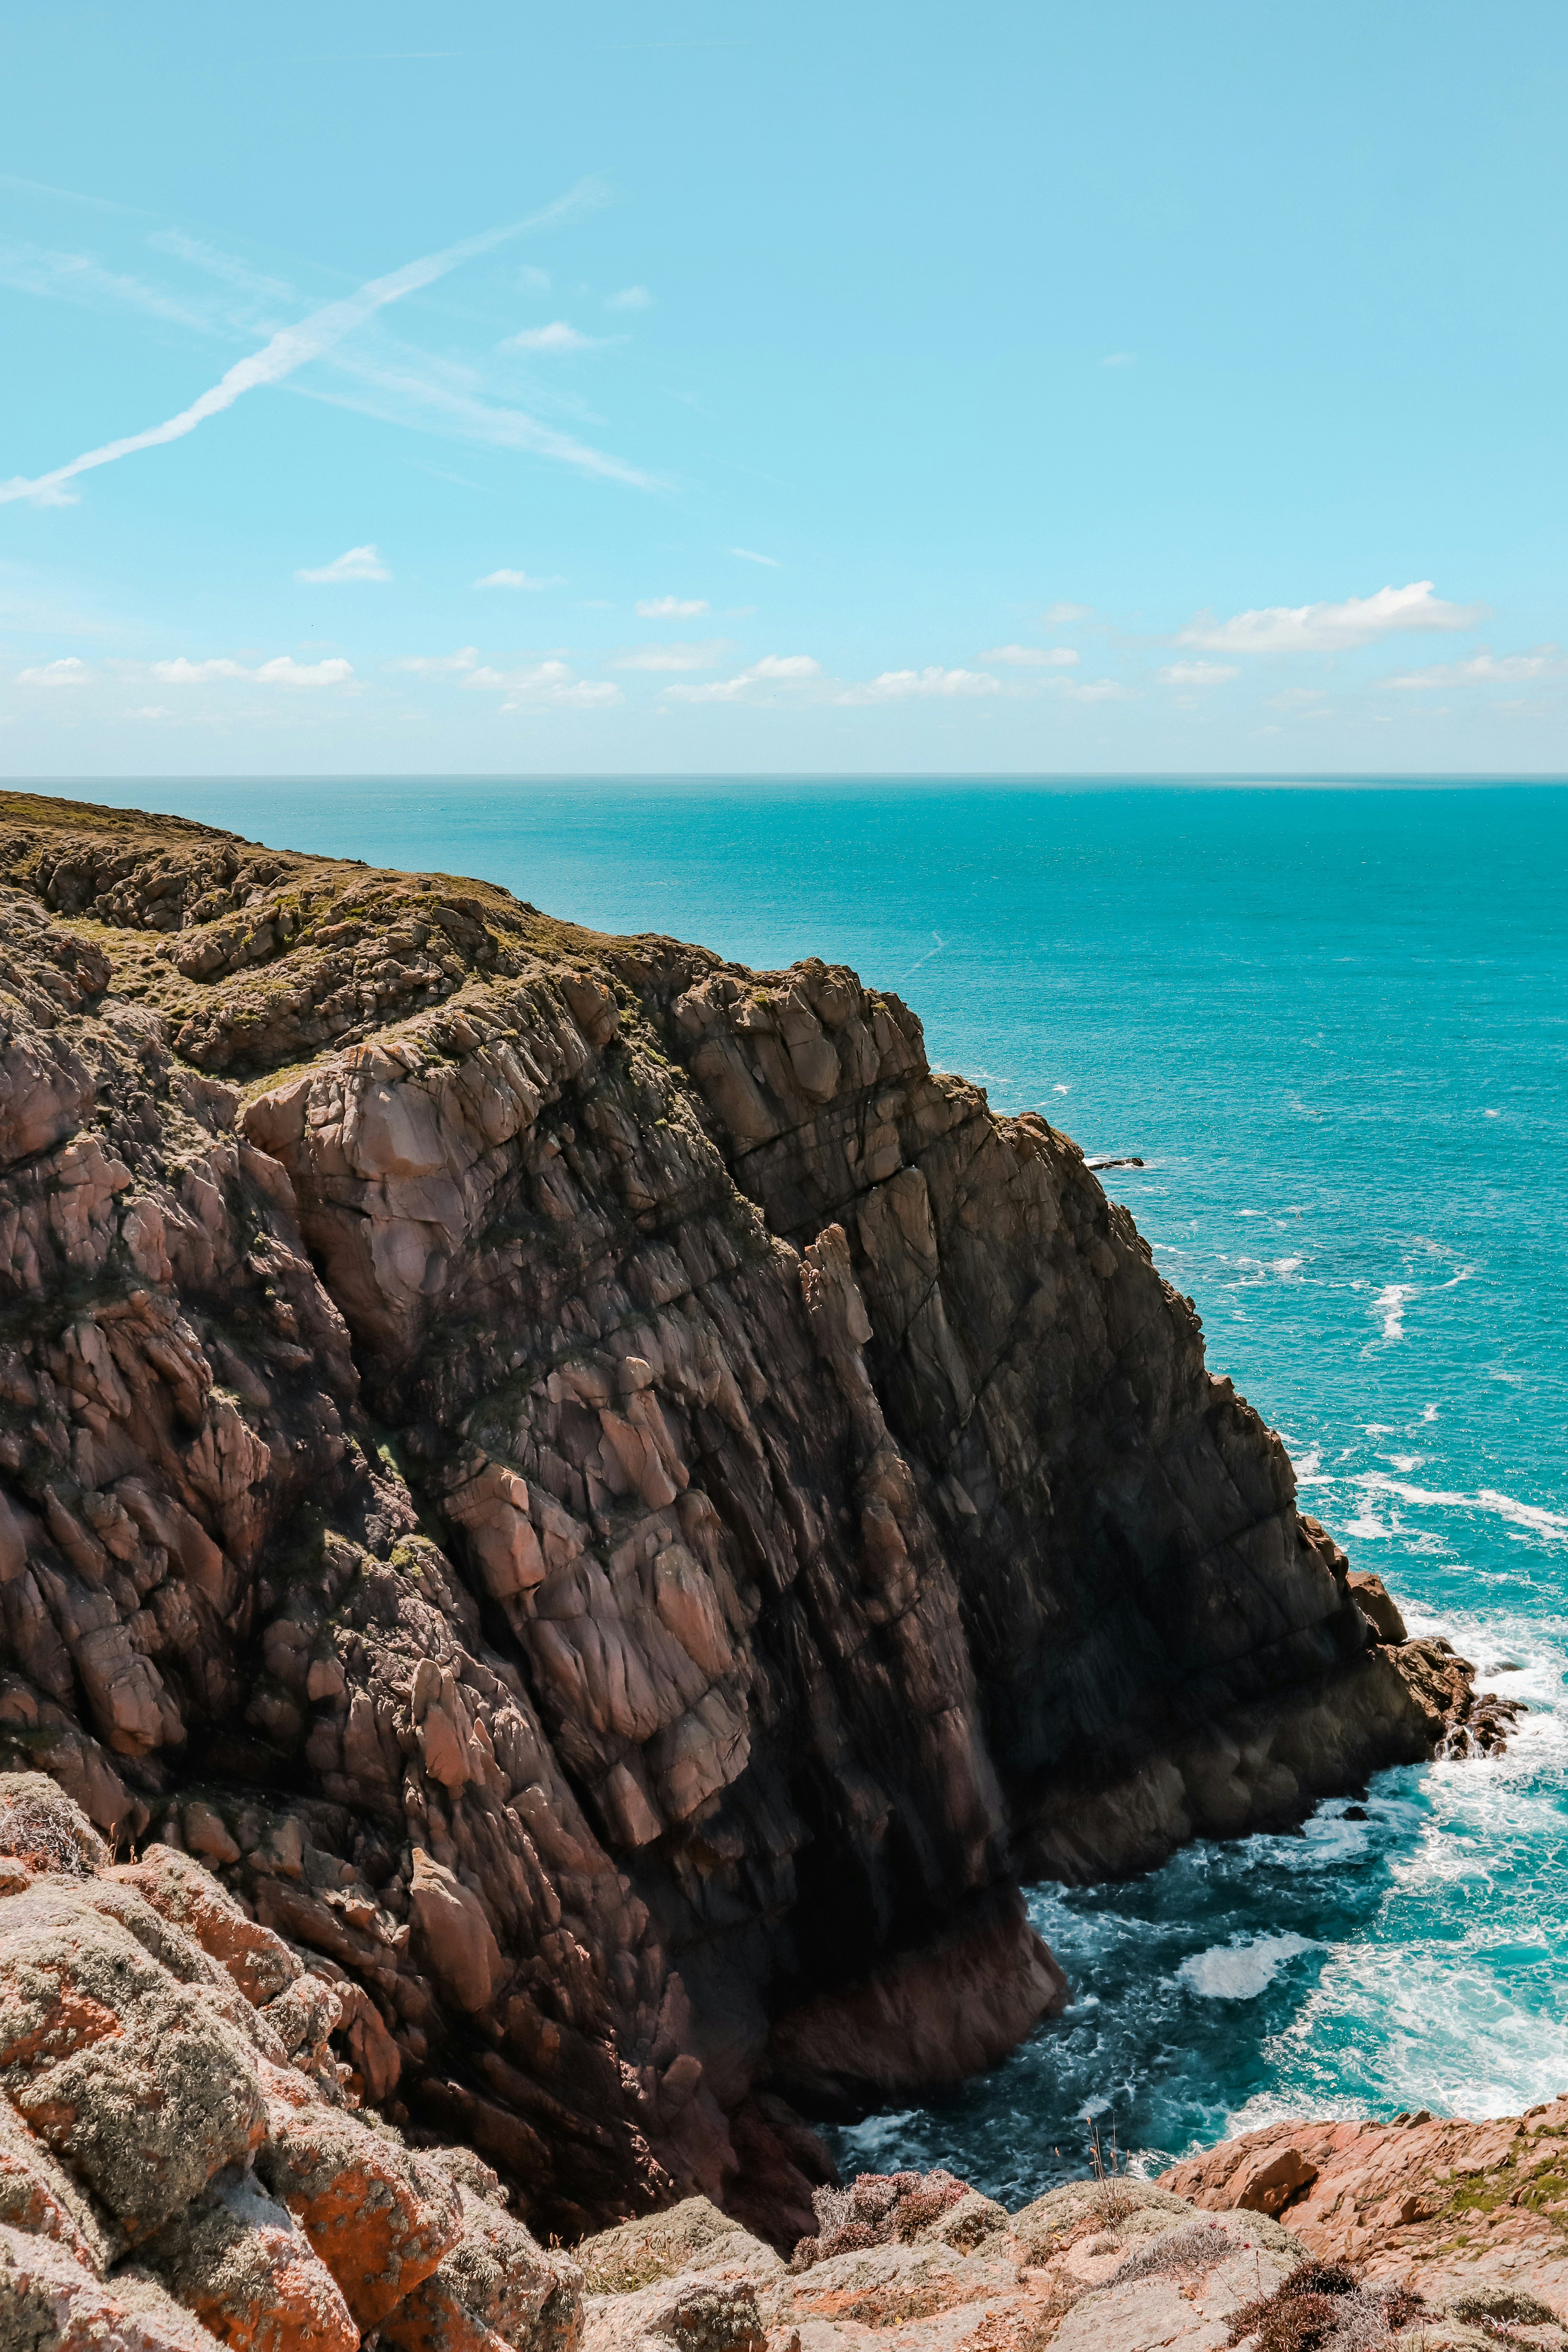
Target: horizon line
1327, 776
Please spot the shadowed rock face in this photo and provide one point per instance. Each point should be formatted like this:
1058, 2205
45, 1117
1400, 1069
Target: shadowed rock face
612, 1505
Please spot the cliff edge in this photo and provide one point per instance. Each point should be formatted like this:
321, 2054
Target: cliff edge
611, 1505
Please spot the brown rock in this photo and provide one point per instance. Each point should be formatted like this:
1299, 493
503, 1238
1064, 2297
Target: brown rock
379, 2217
49, 2303
192, 1899
1376, 1604
1273, 2181
38, 2197
138, 2082
494, 2289
238, 2261
457, 1936
926, 2020
1455, 2210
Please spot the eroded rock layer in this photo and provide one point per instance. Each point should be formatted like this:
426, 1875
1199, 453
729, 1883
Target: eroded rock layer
611, 1504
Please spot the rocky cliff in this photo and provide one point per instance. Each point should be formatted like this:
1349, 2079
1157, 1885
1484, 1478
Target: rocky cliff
614, 1508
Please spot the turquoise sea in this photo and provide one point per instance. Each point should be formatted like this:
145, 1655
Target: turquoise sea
1333, 1022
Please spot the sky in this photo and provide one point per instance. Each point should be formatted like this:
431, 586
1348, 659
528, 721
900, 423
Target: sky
728, 389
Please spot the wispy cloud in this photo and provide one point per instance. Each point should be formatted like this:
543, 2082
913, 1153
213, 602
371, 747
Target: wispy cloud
519, 580
537, 685
76, 277
1098, 690
70, 670
281, 670
1061, 615
749, 555
291, 348
755, 684
1119, 359
391, 387
900, 685
545, 685
354, 563
1199, 673
1032, 656
706, 656
199, 255
1489, 669
630, 298
438, 665
1331, 628
557, 337
671, 608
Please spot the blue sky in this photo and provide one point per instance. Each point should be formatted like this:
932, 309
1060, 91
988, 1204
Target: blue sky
711, 388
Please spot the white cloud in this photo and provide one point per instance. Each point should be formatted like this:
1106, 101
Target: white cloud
1032, 656
1489, 669
354, 563
150, 710
283, 353
517, 579
438, 665
1058, 615
557, 337
674, 656
1097, 690
281, 670
1329, 628
749, 555
899, 684
533, 280
671, 608
541, 685
67, 671
630, 298
1199, 673
1119, 359
772, 670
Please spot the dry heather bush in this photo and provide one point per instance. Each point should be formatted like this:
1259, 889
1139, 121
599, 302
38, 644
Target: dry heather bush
875, 2207
1507, 2305
1323, 2307
41, 1826
927, 2203
1182, 2254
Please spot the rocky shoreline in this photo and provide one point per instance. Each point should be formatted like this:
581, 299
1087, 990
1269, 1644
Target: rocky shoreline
184, 2164
612, 1507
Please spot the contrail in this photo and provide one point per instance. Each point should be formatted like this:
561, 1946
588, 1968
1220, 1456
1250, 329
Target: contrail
289, 349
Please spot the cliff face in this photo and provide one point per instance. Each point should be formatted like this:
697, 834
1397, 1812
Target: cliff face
616, 1507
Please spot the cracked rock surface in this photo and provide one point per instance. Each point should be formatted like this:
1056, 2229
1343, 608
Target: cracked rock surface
615, 1510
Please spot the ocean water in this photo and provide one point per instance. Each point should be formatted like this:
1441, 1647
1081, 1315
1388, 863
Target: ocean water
1333, 1023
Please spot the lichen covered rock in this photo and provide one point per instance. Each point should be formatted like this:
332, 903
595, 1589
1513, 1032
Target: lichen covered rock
169, 2181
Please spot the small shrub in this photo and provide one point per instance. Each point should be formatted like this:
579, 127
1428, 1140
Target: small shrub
1323, 2307
1111, 2193
43, 1827
875, 2207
